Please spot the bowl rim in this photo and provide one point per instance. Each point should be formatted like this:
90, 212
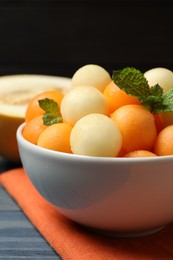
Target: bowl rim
91, 159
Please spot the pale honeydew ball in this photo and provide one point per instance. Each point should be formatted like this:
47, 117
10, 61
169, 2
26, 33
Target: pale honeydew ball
93, 75
161, 76
96, 135
80, 101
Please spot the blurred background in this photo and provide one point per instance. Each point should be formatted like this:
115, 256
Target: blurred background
56, 37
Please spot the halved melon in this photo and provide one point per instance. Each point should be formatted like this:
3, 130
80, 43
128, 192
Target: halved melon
15, 93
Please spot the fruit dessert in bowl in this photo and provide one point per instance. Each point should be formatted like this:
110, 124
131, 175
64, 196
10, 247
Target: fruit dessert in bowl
15, 93
109, 176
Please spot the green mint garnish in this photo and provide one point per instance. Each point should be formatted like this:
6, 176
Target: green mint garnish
52, 112
133, 82
167, 103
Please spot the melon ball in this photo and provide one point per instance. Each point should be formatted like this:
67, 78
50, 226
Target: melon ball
96, 135
166, 118
161, 76
80, 101
93, 75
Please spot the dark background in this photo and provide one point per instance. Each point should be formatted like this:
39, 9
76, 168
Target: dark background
58, 37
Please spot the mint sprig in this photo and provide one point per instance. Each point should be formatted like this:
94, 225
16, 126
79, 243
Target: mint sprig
52, 112
167, 102
134, 83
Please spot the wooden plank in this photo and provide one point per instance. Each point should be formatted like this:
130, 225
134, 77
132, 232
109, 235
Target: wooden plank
18, 237
6, 202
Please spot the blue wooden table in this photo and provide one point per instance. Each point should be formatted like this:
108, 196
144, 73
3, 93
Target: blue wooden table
18, 237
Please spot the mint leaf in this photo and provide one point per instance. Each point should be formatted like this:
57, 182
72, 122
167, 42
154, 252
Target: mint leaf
133, 82
50, 119
154, 99
156, 90
167, 102
152, 103
52, 112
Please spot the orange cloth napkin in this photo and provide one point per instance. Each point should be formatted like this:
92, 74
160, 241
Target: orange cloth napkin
71, 241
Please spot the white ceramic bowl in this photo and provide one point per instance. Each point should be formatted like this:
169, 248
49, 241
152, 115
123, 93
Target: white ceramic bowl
117, 196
